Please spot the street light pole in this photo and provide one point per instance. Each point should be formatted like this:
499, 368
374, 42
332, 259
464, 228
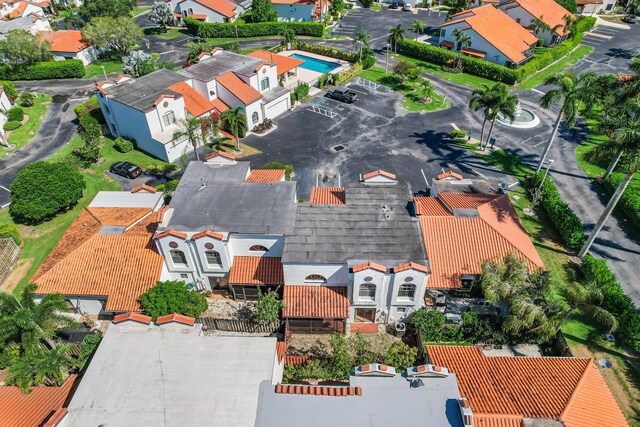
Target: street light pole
237, 41
386, 62
104, 72
546, 172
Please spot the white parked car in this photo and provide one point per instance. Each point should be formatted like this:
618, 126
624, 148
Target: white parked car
407, 7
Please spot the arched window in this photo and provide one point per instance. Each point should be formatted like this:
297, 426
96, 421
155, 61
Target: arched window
259, 248
168, 118
177, 257
367, 291
315, 278
213, 259
255, 118
407, 291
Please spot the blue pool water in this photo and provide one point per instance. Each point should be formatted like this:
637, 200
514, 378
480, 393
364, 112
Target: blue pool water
314, 64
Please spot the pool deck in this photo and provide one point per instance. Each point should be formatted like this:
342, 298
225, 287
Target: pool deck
310, 76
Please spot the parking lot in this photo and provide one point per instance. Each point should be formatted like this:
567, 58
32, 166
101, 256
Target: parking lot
332, 143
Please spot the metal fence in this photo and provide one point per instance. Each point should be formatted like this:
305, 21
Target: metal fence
9, 252
232, 325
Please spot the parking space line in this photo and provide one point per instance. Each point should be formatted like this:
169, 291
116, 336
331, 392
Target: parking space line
5, 205
453, 125
356, 90
538, 91
592, 34
5, 188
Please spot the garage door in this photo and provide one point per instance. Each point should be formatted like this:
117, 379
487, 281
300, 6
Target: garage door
276, 108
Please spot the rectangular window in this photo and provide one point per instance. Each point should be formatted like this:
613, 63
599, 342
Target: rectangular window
168, 118
365, 315
264, 84
401, 310
407, 291
443, 32
213, 259
177, 257
184, 276
367, 292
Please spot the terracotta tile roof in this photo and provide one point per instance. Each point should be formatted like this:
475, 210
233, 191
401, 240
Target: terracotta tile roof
36, 408
123, 217
367, 265
55, 419
220, 153
161, 212
327, 196
178, 318
568, 389
171, 232
64, 41
18, 11
245, 93
223, 7
119, 267
364, 328
255, 270
410, 266
449, 174
265, 175
318, 390
194, 103
492, 24
491, 420
295, 360
220, 106
315, 301
133, 316
283, 63
466, 200
379, 172
281, 350
431, 206
144, 187
458, 245
207, 233
548, 11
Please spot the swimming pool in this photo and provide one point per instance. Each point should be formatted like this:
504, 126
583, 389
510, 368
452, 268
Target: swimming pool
315, 64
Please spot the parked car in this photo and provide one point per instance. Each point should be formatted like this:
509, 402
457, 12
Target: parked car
630, 19
407, 7
126, 169
343, 95
394, 5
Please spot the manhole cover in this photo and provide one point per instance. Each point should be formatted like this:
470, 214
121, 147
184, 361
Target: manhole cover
339, 148
605, 363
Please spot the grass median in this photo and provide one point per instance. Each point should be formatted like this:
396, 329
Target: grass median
20, 137
555, 68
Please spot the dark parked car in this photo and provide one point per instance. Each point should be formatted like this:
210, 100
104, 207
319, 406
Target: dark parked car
394, 5
630, 19
343, 95
126, 169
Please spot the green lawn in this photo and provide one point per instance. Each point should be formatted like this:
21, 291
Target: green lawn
39, 240
138, 10
95, 68
461, 78
411, 100
21, 136
171, 33
564, 63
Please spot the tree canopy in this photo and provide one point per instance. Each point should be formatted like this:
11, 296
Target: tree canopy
173, 297
263, 11
112, 8
161, 14
115, 35
21, 47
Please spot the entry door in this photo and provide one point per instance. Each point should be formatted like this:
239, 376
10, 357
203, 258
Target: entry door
365, 315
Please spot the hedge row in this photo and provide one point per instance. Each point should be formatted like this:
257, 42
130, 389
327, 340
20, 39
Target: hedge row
10, 90
440, 56
585, 23
615, 301
348, 74
629, 203
213, 30
550, 56
328, 51
43, 70
562, 216
10, 230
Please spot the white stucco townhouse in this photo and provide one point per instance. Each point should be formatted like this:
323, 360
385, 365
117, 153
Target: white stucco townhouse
69, 44
524, 12
207, 10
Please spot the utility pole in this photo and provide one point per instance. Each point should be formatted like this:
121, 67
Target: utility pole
237, 41
544, 178
386, 62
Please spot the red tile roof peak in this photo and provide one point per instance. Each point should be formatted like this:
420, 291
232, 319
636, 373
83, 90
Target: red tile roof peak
379, 172
136, 317
171, 232
208, 233
265, 176
369, 265
410, 266
144, 187
175, 317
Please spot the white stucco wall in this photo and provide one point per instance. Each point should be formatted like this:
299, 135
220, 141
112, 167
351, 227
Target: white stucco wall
239, 245
87, 56
336, 274
477, 42
518, 13
5, 104
277, 106
191, 7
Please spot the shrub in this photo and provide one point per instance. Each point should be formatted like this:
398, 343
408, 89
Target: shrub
540, 42
549, 56
173, 297
43, 189
44, 70
9, 89
328, 51
27, 99
342, 361
314, 368
629, 203
10, 230
400, 356
268, 307
11, 125
348, 74
15, 114
288, 169
214, 30
585, 23
366, 3
263, 127
323, 80
565, 221
368, 62
470, 65
301, 91
429, 324
169, 186
458, 134
123, 145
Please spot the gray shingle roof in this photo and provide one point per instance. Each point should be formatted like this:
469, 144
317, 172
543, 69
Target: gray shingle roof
375, 225
222, 63
142, 92
216, 197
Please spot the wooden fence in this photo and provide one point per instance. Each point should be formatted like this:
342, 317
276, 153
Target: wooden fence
232, 325
9, 252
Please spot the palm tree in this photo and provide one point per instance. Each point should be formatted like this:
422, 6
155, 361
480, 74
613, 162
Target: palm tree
361, 38
570, 89
418, 27
504, 105
538, 24
235, 122
396, 34
191, 129
569, 26
587, 298
463, 41
426, 91
483, 99
51, 365
288, 36
632, 85
630, 164
457, 6
69, 17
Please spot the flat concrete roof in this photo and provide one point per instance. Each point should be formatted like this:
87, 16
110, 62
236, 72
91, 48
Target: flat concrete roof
146, 375
126, 199
384, 402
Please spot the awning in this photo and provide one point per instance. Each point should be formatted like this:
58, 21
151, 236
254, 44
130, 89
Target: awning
473, 52
315, 301
447, 44
253, 270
